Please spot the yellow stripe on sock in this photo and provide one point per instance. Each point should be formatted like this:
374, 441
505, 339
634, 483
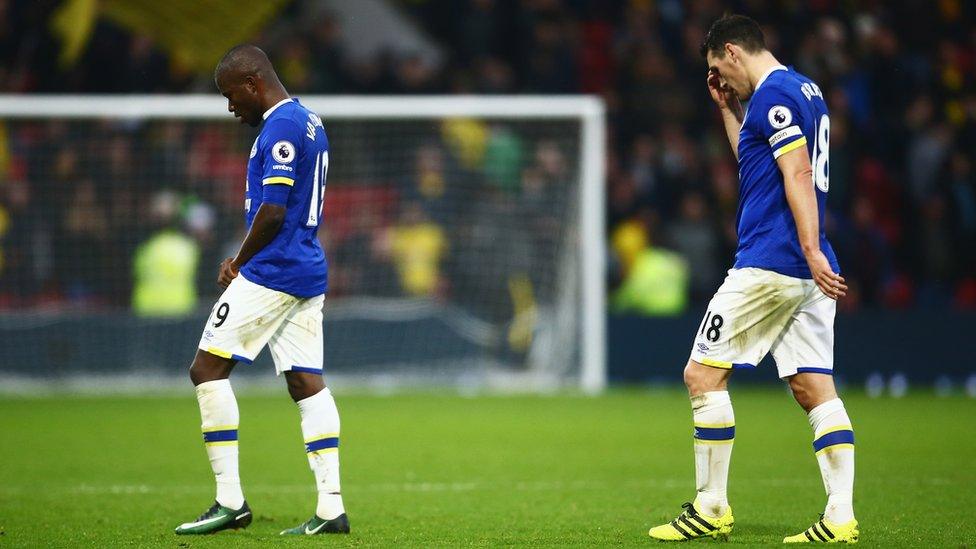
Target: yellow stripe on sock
222, 443
219, 428
833, 430
320, 437
727, 441
714, 425
836, 447
324, 451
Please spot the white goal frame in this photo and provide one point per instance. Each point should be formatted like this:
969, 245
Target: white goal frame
589, 110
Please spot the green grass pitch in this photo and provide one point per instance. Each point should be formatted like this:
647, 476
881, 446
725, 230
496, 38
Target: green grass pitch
436, 470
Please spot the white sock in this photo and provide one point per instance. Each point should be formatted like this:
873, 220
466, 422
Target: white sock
714, 435
219, 419
833, 443
320, 427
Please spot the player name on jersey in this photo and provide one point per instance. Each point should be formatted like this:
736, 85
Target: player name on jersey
288, 166
786, 111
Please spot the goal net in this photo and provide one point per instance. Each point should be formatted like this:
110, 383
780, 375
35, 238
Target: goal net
465, 238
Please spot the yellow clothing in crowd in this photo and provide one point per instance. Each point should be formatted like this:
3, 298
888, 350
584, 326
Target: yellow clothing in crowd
417, 252
165, 275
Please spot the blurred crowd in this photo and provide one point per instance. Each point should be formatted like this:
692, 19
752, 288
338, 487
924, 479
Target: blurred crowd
101, 214
899, 79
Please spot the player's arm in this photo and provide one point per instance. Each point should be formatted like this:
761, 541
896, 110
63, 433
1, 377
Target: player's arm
267, 222
800, 194
728, 106
280, 161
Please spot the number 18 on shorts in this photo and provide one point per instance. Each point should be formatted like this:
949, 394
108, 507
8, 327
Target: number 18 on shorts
756, 312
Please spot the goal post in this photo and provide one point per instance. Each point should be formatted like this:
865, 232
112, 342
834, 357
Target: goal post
468, 247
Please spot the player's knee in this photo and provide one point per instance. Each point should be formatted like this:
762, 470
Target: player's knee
205, 368
812, 390
301, 393
691, 377
200, 373
702, 379
696, 379
302, 386
197, 375
802, 396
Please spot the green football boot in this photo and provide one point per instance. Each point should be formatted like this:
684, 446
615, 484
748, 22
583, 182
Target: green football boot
217, 518
316, 525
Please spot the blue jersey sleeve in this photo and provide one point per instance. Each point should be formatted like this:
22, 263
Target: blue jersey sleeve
780, 121
280, 160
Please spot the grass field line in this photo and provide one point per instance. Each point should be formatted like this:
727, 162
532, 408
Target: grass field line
468, 486
420, 486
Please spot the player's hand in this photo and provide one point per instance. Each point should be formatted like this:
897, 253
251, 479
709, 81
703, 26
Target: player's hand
722, 94
228, 272
830, 283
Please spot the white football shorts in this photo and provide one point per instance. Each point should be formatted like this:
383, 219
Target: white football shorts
248, 316
756, 312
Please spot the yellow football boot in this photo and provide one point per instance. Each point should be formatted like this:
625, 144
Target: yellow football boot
691, 524
824, 531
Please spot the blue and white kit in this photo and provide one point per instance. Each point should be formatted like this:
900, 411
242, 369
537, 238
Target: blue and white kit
277, 298
769, 302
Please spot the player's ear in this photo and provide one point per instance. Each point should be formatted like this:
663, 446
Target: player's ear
251, 84
731, 51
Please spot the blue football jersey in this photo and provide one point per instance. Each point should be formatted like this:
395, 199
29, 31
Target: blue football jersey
288, 166
787, 111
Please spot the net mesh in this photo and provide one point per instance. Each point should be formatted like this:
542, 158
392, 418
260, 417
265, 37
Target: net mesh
451, 244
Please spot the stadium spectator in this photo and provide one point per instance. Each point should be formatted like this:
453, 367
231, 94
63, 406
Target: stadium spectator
417, 247
655, 280
693, 236
899, 78
165, 265
84, 243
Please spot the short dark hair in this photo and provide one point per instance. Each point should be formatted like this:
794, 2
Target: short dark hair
735, 29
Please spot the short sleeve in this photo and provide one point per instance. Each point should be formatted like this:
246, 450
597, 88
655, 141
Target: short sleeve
781, 121
280, 160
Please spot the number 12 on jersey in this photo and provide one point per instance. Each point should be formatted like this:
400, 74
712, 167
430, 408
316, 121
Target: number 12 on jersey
318, 189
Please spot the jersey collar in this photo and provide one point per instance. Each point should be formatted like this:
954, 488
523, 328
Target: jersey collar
268, 112
761, 78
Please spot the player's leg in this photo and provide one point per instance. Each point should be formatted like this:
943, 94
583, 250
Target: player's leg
706, 376
222, 345
804, 357
833, 445
297, 349
742, 320
207, 367
320, 430
219, 418
714, 421
710, 513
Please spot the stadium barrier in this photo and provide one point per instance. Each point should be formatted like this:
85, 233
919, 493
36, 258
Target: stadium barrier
922, 345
